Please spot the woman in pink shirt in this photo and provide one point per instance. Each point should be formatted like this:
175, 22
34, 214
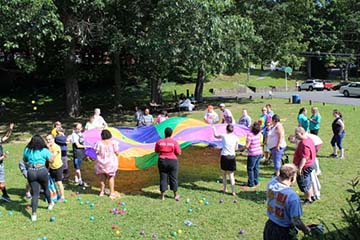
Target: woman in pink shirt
255, 153
107, 162
168, 150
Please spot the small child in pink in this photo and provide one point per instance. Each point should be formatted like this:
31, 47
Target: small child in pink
107, 162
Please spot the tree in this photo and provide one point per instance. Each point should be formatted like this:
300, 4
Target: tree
203, 34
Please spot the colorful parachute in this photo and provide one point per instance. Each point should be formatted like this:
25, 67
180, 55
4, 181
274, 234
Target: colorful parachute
137, 144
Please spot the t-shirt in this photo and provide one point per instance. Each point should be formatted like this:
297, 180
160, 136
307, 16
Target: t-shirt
315, 126
77, 138
283, 203
211, 117
303, 121
227, 116
99, 121
167, 148
147, 120
245, 121
264, 120
254, 142
89, 125
61, 141
55, 149
33, 157
229, 144
305, 149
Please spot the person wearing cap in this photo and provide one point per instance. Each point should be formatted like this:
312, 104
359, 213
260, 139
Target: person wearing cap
211, 117
226, 115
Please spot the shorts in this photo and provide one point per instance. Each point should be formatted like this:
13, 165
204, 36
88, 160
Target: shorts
304, 180
2, 173
273, 231
77, 163
56, 174
228, 163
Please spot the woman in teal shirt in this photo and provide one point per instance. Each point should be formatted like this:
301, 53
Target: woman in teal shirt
303, 120
315, 120
36, 154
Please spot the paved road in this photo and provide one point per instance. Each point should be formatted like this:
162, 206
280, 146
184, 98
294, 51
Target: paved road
315, 96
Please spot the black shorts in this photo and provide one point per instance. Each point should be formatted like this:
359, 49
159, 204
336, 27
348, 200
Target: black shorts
228, 163
273, 231
56, 174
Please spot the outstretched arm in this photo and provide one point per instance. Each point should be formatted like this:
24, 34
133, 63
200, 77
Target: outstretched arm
8, 133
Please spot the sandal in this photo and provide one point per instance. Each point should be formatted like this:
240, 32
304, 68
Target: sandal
114, 195
101, 194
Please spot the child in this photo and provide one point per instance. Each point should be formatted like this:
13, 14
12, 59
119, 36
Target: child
23, 171
3, 155
107, 162
77, 140
56, 165
62, 141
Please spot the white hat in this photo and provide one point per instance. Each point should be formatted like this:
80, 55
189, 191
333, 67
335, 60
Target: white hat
222, 105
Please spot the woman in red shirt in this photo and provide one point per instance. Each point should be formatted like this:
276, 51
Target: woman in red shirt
168, 150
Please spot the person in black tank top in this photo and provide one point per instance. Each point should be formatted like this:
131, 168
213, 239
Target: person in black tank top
338, 129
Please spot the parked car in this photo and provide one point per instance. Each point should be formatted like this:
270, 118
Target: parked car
339, 85
352, 89
311, 84
328, 85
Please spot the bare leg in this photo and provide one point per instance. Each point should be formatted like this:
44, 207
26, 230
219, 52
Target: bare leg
61, 189
224, 181
232, 182
102, 184
112, 184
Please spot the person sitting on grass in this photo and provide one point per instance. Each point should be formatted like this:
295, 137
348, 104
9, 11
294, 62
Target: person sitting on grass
107, 162
5, 196
168, 150
227, 159
283, 206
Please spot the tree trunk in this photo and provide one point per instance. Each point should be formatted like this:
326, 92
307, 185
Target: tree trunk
118, 78
73, 103
199, 87
156, 95
309, 67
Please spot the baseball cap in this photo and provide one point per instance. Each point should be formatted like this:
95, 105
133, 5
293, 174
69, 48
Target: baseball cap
222, 105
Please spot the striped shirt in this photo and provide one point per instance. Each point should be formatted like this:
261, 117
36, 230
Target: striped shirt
253, 141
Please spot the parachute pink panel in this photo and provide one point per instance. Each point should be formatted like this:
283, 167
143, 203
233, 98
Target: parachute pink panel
137, 144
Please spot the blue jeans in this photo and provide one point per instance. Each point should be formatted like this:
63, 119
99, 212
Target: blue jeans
253, 163
277, 155
337, 139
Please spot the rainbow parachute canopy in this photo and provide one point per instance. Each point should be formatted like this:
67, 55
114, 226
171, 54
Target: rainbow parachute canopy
136, 145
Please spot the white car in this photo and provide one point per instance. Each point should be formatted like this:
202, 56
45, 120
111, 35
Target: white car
312, 84
352, 89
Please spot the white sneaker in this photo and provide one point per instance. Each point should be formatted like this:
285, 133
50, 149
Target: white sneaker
28, 195
76, 179
51, 206
33, 218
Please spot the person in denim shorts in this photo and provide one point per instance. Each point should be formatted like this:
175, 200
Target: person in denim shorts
304, 159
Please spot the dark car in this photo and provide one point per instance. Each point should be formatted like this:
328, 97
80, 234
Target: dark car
339, 85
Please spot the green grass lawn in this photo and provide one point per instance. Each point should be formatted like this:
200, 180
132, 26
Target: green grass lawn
199, 173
